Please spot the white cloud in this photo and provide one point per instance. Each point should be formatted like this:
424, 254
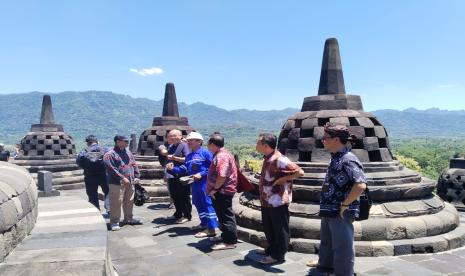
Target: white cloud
147, 71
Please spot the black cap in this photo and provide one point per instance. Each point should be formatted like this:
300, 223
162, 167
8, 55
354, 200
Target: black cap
120, 138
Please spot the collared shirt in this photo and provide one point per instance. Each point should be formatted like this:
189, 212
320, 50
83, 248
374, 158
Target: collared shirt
276, 166
343, 172
223, 165
120, 164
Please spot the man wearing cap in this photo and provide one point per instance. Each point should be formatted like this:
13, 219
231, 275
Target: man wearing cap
4, 154
196, 165
122, 174
91, 160
339, 202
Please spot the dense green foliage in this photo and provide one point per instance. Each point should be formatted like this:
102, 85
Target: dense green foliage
428, 137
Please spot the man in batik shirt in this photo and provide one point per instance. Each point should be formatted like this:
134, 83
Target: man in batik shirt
339, 202
275, 195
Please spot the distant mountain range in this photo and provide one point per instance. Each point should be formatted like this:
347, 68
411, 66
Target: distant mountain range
106, 113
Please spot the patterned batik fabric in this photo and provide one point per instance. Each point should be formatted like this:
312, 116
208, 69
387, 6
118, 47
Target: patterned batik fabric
223, 165
274, 167
343, 172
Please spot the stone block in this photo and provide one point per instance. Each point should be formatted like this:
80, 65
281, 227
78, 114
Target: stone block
370, 143
395, 229
358, 131
309, 123
48, 142
340, 121
44, 181
8, 215
290, 124
364, 122
364, 248
294, 134
361, 154
414, 228
373, 230
318, 132
56, 147
40, 147
320, 155
306, 144
382, 248
380, 132
292, 154
49, 152
385, 154
434, 225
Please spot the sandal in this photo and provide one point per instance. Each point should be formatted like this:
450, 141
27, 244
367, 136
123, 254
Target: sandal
223, 246
204, 234
312, 263
216, 239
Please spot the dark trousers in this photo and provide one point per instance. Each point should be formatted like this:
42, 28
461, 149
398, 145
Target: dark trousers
226, 218
275, 222
181, 198
92, 182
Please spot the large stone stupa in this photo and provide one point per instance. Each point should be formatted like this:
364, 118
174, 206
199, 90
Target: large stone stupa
406, 217
451, 183
151, 138
47, 147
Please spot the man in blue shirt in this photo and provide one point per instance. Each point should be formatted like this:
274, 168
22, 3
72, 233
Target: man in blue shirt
4, 154
339, 202
91, 160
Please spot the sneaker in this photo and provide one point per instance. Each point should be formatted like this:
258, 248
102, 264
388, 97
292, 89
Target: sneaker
181, 220
132, 222
115, 227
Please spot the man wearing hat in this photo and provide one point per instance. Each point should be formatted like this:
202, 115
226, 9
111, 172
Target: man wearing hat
91, 160
4, 154
339, 202
122, 174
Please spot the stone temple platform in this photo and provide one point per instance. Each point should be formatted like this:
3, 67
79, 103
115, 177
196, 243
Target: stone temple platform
407, 217
47, 147
147, 153
69, 238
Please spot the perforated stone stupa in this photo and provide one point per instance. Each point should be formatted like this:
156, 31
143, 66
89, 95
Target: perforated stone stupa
151, 138
47, 147
451, 183
406, 217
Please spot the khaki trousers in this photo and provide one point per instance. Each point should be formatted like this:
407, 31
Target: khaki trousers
121, 194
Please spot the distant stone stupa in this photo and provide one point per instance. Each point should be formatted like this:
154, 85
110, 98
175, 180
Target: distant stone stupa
48, 147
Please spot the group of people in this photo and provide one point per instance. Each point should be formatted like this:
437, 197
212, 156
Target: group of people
5, 154
210, 175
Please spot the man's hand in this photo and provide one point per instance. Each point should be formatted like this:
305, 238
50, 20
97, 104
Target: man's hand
197, 177
280, 181
212, 193
343, 209
125, 182
169, 166
170, 157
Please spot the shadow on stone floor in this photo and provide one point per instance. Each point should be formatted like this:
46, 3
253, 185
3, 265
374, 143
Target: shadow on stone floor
175, 231
203, 245
251, 259
158, 206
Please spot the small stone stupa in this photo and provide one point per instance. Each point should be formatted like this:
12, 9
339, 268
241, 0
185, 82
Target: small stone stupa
406, 217
149, 141
451, 183
47, 147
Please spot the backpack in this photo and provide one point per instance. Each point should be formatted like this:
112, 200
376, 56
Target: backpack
92, 161
140, 195
365, 205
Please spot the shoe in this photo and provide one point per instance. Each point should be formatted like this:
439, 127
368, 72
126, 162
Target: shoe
115, 227
132, 222
268, 260
216, 239
171, 206
261, 251
223, 246
181, 220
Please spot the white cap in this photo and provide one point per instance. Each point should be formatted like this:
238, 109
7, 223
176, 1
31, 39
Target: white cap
194, 135
2, 145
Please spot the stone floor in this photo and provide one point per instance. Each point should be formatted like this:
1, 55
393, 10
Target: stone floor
160, 248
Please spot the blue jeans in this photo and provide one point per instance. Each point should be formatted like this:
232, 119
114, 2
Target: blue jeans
337, 249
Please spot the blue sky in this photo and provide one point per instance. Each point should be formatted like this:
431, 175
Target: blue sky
237, 54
